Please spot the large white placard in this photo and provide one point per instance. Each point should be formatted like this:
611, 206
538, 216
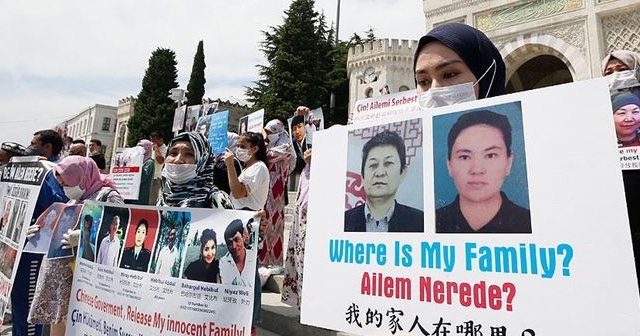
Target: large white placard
562, 263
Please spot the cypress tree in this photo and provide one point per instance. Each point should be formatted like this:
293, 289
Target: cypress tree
195, 88
154, 109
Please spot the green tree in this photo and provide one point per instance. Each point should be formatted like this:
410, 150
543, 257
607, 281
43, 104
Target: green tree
195, 88
299, 59
154, 109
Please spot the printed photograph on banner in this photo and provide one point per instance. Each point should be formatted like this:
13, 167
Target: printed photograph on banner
384, 186
7, 259
626, 120
201, 260
203, 126
209, 108
7, 205
138, 244
243, 125
46, 222
110, 236
90, 223
67, 220
237, 265
480, 171
178, 118
170, 243
193, 113
15, 220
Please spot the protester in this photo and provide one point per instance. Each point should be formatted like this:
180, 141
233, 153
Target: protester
68, 141
47, 143
81, 180
187, 175
148, 171
159, 150
281, 158
10, 149
454, 63
206, 268
78, 149
95, 153
293, 268
622, 68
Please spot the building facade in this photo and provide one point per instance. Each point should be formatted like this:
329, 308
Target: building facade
542, 42
95, 122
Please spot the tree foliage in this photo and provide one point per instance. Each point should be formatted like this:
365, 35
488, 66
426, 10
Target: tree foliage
300, 57
195, 88
154, 109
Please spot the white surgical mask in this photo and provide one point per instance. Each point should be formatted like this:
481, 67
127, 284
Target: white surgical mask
273, 138
74, 193
179, 173
622, 80
447, 95
243, 154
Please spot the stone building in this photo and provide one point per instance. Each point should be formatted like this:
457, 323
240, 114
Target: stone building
543, 42
95, 122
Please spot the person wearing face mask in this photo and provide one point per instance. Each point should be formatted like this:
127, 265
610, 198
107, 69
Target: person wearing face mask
46, 143
281, 157
220, 178
622, 69
81, 180
187, 175
455, 63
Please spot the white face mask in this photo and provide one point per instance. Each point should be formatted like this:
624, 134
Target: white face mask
622, 80
447, 95
243, 154
273, 138
179, 173
74, 193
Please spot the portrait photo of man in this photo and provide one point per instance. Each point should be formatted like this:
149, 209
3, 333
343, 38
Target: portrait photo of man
383, 169
109, 249
235, 267
479, 160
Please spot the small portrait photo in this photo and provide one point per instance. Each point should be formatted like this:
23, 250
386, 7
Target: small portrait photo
6, 214
243, 125
204, 124
141, 233
47, 221
384, 189
20, 220
89, 226
480, 171
626, 118
170, 243
193, 113
209, 108
13, 218
110, 235
68, 220
201, 262
7, 259
236, 264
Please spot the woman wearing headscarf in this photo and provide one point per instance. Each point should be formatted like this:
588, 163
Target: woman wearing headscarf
148, 169
187, 175
293, 264
455, 63
622, 68
281, 157
81, 180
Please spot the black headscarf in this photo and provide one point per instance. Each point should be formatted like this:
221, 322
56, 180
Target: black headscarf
475, 49
200, 191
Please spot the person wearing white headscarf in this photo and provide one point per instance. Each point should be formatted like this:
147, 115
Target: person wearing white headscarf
622, 68
281, 157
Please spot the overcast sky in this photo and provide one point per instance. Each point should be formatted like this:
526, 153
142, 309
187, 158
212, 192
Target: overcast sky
60, 57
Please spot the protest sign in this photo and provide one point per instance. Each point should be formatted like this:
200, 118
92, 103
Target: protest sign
253, 122
163, 271
384, 106
19, 189
193, 114
126, 171
313, 121
554, 256
218, 131
178, 118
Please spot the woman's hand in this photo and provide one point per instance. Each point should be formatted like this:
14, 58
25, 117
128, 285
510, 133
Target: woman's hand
306, 156
262, 214
229, 157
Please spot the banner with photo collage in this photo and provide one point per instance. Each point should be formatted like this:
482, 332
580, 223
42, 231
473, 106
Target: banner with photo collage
20, 184
479, 218
163, 271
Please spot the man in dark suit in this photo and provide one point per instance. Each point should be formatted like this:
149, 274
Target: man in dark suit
383, 168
